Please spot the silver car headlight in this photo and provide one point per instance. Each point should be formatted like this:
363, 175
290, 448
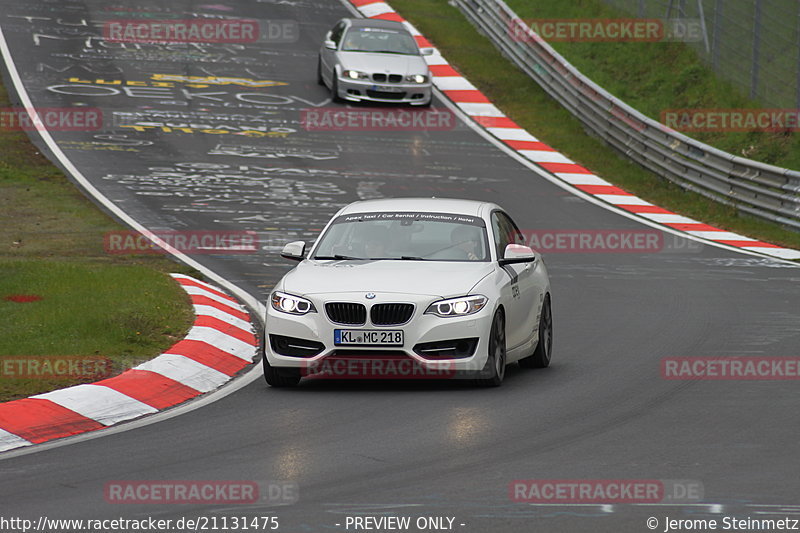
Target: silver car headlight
417, 78
355, 74
466, 305
288, 303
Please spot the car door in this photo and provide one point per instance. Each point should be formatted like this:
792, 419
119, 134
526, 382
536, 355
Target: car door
328, 57
520, 292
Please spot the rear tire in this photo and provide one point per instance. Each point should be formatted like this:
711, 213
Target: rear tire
495, 367
277, 377
544, 348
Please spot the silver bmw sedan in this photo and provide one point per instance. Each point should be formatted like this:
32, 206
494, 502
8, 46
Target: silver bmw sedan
374, 60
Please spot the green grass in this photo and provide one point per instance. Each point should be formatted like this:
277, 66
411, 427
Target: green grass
125, 308
528, 105
653, 77
124, 313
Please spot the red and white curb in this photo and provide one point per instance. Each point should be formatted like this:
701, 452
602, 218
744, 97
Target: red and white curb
475, 104
219, 344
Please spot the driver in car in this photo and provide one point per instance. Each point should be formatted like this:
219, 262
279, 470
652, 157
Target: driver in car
375, 243
467, 240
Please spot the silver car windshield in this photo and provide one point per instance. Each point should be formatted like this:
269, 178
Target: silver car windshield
405, 236
379, 41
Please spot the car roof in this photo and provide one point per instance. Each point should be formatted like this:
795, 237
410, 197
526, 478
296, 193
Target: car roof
424, 205
377, 23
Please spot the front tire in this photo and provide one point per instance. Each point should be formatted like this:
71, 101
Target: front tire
277, 377
495, 367
319, 72
544, 348
335, 87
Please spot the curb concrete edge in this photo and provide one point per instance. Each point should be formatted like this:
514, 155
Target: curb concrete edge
218, 346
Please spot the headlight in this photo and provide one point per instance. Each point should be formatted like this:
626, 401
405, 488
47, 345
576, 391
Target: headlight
465, 305
354, 74
294, 305
417, 78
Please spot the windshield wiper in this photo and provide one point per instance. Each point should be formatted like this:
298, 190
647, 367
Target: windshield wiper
378, 51
401, 258
347, 257
337, 256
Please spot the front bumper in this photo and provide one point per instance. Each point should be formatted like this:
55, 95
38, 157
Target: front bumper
316, 331
364, 90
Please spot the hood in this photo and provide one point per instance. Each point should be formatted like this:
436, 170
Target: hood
439, 278
389, 63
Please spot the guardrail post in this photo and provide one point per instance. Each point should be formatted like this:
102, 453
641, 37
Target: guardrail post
716, 37
797, 49
702, 16
756, 49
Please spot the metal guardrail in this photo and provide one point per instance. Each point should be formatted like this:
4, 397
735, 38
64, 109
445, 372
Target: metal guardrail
762, 190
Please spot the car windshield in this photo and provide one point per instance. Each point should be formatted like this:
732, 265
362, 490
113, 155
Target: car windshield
379, 40
405, 236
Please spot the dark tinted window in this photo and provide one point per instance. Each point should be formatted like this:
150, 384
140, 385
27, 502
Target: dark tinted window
336, 33
505, 232
380, 40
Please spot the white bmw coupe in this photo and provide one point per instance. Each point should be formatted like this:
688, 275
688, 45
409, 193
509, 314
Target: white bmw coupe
410, 288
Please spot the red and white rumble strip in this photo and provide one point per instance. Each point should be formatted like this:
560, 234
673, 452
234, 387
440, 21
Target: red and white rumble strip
219, 345
473, 102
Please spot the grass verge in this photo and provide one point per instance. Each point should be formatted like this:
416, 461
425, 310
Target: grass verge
119, 314
653, 77
528, 105
61, 295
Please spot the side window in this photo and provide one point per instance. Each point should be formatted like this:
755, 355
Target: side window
336, 33
505, 232
500, 234
517, 236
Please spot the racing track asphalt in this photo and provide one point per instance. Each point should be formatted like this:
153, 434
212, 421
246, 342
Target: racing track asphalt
601, 411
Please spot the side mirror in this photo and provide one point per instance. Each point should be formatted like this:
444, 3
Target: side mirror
330, 45
517, 253
427, 51
294, 251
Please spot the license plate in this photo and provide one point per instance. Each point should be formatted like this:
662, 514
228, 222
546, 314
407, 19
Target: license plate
368, 337
387, 89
